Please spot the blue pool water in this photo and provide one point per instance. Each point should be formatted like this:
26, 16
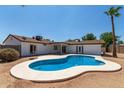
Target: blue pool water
63, 63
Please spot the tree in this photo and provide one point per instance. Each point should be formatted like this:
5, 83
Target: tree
107, 37
113, 12
120, 42
89, 36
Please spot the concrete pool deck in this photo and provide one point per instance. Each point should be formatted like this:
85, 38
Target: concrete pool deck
23, 71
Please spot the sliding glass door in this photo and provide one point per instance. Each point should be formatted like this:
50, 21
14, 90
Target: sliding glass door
79, 49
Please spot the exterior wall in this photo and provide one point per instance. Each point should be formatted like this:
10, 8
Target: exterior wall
87, 49
12, 41
25, 49
92, 49
40, 49
45, 49
71, 49
50, 49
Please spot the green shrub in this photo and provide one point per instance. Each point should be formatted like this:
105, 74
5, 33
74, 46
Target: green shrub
9, 54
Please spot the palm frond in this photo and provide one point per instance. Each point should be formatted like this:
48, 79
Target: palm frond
117, 14
106, 12
112, 11
118, 8
111, 8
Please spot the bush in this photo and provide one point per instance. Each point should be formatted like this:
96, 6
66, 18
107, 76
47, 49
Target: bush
9, 54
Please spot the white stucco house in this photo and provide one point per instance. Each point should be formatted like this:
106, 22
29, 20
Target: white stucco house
31, 46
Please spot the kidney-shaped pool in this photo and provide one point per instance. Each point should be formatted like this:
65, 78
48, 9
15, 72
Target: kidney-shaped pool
61, 67
63, 63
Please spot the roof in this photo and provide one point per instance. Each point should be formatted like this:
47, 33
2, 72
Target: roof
28, 39
86, 42
121, 45
58, 43
31, 40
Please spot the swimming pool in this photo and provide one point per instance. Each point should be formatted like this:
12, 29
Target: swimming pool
49, 68
64, 63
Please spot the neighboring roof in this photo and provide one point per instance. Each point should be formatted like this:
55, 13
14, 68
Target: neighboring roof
31, 40
28, 39
86, 42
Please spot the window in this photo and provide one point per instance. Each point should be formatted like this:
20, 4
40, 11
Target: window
55, 47
32, 49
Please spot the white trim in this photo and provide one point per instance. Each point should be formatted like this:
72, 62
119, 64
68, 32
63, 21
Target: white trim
23, 71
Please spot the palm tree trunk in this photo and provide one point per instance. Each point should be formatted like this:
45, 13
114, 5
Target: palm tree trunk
113, 35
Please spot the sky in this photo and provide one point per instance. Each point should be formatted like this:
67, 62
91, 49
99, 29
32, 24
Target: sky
58, 23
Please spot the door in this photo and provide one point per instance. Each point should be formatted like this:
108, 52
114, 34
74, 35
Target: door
63, 49
32, 49
79, 49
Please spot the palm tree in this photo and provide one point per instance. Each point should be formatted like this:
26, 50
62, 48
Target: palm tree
113, 12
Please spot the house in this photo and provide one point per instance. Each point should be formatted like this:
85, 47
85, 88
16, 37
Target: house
32, 46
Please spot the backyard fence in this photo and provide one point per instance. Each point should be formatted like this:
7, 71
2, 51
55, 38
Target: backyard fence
119, 48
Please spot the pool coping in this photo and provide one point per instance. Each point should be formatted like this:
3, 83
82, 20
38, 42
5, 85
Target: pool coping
23, 71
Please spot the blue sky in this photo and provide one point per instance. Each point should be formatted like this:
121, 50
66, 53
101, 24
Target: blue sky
57, 23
